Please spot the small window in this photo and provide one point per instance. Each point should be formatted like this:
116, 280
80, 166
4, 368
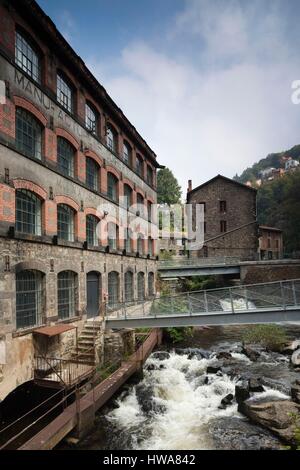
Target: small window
28, 298
128, 286
91, 230
223, 226
127, 153
90, 119
28, 212
149, 175
65, 157
113, 288
27, 58
111, 139
139, 166
141, 286
66, 293
64, 93
28, 134
223, 206
92, 174
112, 190
65, 222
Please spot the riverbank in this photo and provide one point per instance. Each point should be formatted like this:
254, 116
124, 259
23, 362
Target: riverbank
178, 403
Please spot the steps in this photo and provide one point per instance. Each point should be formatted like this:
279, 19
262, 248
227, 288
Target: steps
85, 351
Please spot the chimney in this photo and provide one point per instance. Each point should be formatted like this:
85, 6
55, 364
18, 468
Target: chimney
189, 186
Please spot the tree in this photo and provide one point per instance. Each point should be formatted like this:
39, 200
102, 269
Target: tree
168, 189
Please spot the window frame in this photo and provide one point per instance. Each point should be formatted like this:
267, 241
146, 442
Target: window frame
29, 299
64, 92
127, 156
112, 191
24, 201
66, 294
111, 138
89, 175
28, 128
91, 124
92, 241
68, 210
66, 155
34, 50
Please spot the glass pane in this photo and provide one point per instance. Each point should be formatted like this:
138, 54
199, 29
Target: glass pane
92, 174
66, 294
65, 222
27, 58
28, 134
65, 157
28, 212
90, 119
64, 93
28, 299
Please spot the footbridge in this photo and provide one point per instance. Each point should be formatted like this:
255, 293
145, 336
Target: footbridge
273, 302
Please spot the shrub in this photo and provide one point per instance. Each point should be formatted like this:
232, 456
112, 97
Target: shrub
272, 337
179, 334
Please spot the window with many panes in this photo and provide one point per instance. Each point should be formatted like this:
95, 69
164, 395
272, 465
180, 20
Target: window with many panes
64, 93
223, 226
113, 235
65, 222
149, 175
140, 204
112, 187
65, 157
141, 286
29, 298
66, 294
151, 284
28, 212
127, 195
27, 58
113, 288
28, 134
139, 166
127, 153
128, 286
111, 139
90, 119
92, 174
91, 230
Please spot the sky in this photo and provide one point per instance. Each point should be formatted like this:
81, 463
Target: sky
207, 83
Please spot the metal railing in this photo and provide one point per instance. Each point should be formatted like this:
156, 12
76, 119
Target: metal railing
279, 295
67, 372
187, 262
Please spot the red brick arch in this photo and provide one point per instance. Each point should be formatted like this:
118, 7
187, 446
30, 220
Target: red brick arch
139, 191
30, 186
68, 201
129, 183
114, 171
31, 108
92, 211
94, 156
66, 135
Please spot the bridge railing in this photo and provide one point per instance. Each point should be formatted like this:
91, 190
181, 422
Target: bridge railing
187, 262
279, 295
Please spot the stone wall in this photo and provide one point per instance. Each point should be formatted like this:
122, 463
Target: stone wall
118, 345
253, 273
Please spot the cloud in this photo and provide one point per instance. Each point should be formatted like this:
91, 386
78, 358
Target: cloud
67, 25
222, 106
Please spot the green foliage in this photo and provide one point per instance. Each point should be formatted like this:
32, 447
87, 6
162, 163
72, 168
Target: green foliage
198, 283
168, 189
176, 335
278, 205
166, 255
272, 337
296, 421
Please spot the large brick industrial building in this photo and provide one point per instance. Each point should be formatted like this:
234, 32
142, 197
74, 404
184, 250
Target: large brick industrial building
66, 149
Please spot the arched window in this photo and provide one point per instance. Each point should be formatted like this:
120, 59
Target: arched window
141, 286
65, 157
27, 57
91, 230
92, 174
127, 153
113, 288
149, 210
66, 294
113, 235
28, 134
139, 166
128, 286
151, 285
28, 212
140, 204
127, 195
111, 138
29, 298
64, 93
112, 187
91, 119
149, 175
65, 222
140, 244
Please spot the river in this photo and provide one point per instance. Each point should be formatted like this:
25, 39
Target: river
177, 403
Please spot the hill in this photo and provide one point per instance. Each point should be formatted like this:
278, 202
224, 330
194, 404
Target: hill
274, 160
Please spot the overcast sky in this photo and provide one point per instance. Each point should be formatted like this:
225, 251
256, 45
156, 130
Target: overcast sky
207, 83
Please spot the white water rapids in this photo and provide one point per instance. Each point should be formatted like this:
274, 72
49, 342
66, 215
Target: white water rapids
188, 403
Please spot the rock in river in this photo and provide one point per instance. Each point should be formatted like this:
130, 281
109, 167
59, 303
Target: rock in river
295, 391
160, 355
277, 416
295, 359
255, 385
242, 391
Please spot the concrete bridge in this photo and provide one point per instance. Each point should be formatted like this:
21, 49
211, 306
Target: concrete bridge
273, 302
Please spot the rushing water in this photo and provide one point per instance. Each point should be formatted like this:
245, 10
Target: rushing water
177, 404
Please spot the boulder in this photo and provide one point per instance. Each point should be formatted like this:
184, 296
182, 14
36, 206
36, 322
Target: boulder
276, 415
147, 401
295, 391
251, 351
213, 369
255, 385
295, 359
223, 355
291, 347
227, 400
242, 391
160, 355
